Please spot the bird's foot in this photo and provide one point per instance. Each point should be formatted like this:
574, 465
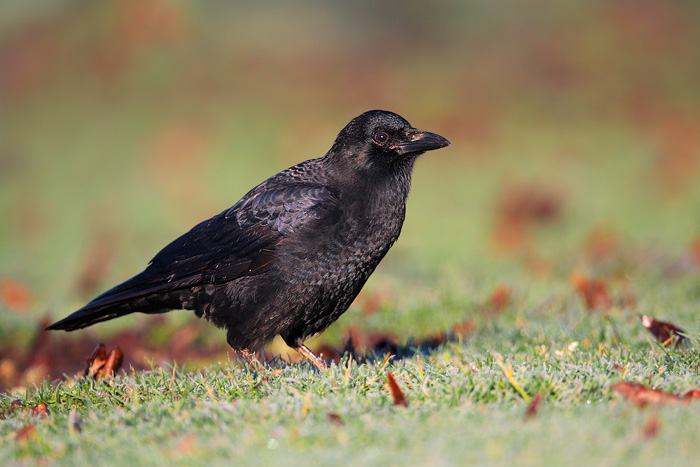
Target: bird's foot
312, 357
250, 359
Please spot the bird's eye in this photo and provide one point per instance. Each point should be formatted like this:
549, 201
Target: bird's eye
380, 137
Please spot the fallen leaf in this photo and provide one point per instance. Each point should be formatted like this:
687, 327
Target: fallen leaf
533, 407
692, 394
642, 395
335, 419
593, 291
96, 361
396, 393
664, 331
499, 299
24, 433
464, 329
39, 410
519, 208
14, 295
17, 404
103, 365
651, 427
114, 362
262, 381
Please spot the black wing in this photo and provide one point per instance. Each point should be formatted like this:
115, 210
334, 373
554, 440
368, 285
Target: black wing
240, 241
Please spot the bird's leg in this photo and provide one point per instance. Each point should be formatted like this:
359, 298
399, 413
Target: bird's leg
249, 358
312, 357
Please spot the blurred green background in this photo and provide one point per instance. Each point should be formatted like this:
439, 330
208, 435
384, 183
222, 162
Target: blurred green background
575, 130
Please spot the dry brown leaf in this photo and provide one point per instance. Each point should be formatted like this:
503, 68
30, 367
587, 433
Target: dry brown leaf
39, 410
642, 395
103, 365
692, 394
533, 407
24, 433
594, 292
664, 331
651, 427
464, 329
520, 207
14, 295
96, 361
17, 404
396, 393
499, 299
335, 419
114, 362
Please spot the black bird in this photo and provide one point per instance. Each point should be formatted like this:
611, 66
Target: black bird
290, 257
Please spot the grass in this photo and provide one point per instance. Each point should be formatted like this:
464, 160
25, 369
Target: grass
462, 408
135, 132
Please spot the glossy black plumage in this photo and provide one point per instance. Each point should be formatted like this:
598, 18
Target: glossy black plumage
293, 253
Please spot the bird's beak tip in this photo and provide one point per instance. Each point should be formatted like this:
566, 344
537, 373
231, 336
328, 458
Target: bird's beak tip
421, 141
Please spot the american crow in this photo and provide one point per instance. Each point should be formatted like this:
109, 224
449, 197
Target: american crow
293, 253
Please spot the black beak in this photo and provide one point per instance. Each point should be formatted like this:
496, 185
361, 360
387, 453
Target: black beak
421, 141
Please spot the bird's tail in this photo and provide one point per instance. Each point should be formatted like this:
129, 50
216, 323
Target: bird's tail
134, 295
89, 315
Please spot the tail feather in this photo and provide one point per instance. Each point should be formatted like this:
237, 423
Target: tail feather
134, 295
88, 316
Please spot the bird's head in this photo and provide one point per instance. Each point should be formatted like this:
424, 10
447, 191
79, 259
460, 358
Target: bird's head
378, 140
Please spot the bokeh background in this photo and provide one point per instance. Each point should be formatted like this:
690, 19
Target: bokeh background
575, 130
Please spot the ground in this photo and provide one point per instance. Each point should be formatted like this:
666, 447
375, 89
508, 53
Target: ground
565, 210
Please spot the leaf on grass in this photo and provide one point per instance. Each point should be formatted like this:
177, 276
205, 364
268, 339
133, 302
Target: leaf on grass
16, 404
594, 292
521, 206
464, 329
642, 395
498, 301
396, 393
114, 362
619, 368
335, 419
39, 410
262, 381
533, 407
103, 365
14, 295
665, 332
24, 433
651, 427
692, 394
